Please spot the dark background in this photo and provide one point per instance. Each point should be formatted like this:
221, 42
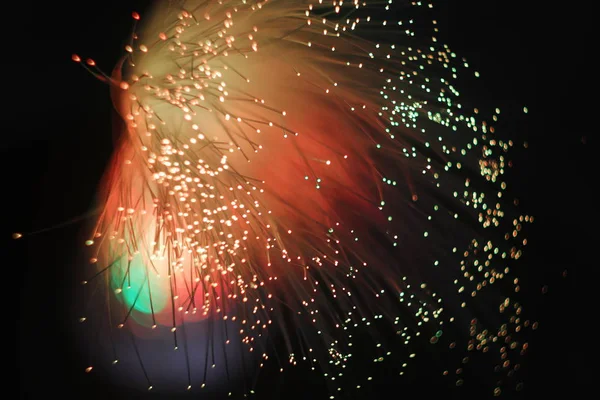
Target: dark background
56, 142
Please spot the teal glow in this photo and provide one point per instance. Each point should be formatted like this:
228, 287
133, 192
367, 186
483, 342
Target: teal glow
133, 282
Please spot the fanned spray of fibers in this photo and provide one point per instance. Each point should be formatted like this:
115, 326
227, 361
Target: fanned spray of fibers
299, 177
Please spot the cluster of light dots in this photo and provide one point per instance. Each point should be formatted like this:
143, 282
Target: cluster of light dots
207, 219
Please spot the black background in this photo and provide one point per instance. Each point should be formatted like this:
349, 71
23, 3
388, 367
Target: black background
56, 141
